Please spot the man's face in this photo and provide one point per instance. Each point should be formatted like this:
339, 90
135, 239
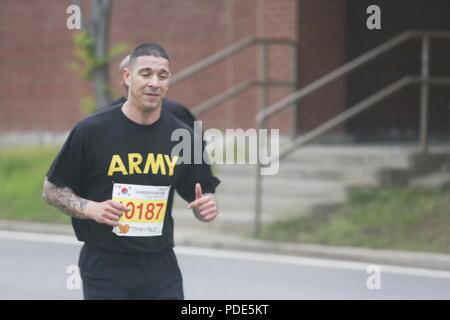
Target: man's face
148, 81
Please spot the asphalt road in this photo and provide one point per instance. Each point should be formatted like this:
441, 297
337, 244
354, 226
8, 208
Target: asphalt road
34, 266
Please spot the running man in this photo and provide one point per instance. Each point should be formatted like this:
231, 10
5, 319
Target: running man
115, 176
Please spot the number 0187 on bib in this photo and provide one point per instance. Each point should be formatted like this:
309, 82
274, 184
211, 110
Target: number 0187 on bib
147, 209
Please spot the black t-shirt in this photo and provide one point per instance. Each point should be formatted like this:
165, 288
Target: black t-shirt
85, 161
179, 111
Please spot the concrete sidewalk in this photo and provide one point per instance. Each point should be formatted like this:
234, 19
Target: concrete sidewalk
211, 238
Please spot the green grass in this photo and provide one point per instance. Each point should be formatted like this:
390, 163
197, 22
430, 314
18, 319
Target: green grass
22, 173
389, 218
393, 218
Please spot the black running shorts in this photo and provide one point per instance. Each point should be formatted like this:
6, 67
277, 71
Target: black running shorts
108, 275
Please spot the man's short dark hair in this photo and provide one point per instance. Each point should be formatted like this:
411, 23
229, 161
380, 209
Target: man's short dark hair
148, 49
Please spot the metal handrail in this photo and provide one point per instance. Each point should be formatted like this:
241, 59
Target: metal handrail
232, 92
357, 109
288, 101
222, 55
346, 68
214, 101
243, 86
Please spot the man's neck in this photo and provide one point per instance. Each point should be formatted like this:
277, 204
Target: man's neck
136, 115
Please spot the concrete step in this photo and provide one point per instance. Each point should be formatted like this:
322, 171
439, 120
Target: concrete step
356, 154
240, 222
233, 221
396, 157
435, 180
282, 187
271, 205
347, 174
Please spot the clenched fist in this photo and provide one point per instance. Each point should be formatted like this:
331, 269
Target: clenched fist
106, 212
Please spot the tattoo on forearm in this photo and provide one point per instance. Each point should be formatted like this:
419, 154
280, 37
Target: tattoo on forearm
65, 200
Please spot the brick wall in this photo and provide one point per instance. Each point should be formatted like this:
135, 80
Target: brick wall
38, 92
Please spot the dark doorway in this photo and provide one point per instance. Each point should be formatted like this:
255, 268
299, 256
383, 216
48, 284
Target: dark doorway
397, 117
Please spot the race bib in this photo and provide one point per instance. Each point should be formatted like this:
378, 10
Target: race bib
148, 206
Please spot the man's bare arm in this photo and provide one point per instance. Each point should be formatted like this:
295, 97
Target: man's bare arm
65, 200
106, 212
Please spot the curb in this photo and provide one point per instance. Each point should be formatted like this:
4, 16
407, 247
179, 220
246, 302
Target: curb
219, 240
39, 227
365, 255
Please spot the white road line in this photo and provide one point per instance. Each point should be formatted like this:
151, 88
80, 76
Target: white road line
39, 237
247, 256
310, 262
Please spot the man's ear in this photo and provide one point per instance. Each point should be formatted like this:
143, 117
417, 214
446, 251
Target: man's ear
126, 76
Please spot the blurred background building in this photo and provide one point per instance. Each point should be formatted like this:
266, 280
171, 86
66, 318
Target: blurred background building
39, 93
264, 50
